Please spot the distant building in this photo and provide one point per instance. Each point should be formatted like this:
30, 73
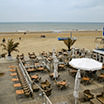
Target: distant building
98, 54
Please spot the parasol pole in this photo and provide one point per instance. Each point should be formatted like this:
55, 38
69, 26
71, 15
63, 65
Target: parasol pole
76, 86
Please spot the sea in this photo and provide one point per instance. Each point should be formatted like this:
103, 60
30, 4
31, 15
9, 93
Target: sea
50, 26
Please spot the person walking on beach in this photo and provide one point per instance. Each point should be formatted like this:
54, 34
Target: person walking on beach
3, 40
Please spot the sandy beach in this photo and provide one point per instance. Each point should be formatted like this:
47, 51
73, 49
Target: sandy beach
32, 42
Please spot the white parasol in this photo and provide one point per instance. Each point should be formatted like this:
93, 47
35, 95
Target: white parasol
83, 64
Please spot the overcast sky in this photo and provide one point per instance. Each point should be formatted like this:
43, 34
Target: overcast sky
52, 10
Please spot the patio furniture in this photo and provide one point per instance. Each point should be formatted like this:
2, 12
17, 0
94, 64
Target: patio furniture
85, 80
100, 78
15, 79
12, 66
35, 78
31, 70
45, 85
12, 70
61, 67
17, 85
35, 88
13, 74
48, 91
32, 55
19, 92
100, 98
73, 72
87, 95
61, 84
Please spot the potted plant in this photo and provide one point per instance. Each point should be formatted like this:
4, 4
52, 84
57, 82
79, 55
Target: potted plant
10, 46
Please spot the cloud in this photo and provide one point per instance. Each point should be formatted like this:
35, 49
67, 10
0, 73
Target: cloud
51, 10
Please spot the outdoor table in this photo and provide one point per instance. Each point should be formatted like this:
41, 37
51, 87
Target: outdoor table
30, 70
40, 69
17, 85
61, 83
15, 79
44, 86
19, 92
36, 64
13, 74
61, 65
85, 78
73, 72
101, 76
34, 76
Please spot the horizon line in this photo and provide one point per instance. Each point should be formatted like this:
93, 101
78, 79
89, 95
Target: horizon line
48, 22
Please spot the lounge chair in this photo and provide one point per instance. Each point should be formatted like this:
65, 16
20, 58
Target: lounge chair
19, 92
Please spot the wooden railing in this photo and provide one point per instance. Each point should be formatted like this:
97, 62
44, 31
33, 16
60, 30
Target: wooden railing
26, 75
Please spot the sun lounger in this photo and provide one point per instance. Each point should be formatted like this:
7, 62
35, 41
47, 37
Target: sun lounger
12, 70
15, 79
12, 67
19, 92
17, 85
13, 74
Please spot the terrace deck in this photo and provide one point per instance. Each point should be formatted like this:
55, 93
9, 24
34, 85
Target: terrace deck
8, 92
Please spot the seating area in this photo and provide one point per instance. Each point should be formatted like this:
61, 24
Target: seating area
32, 55
61, 84
35, 78
46, 86
20, 82
40, 68
92, 98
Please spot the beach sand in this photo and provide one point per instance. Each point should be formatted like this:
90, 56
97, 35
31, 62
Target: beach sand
32, 42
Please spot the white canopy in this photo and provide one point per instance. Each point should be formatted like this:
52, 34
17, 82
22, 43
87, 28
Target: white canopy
85, 64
